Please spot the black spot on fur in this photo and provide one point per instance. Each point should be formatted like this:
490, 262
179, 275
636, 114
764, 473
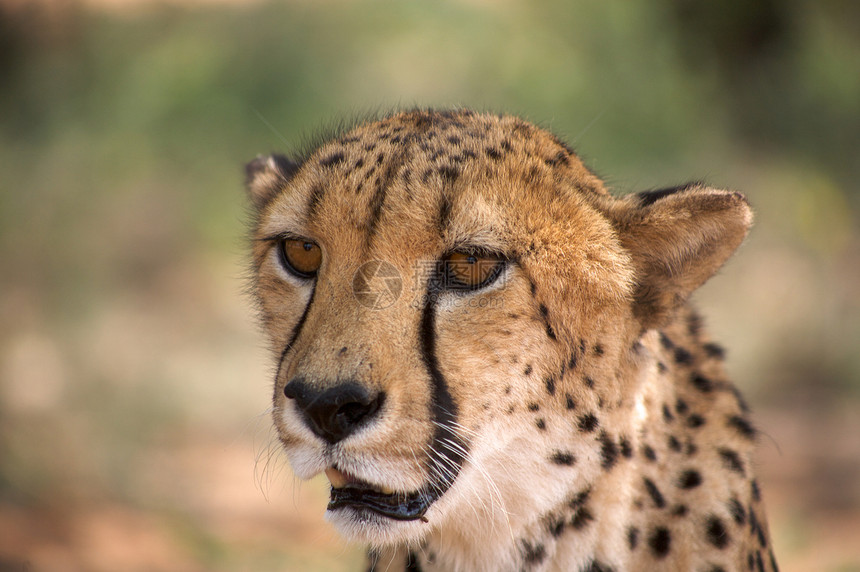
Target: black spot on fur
571, 363
756, 492
626, 449
648, 453
695, 421
716, 532
533, 406
737, 511
580, 498
683, 356
550, 385
754, 526
690, 479
569, 402
740, 399
557, 159
317, 193
528, 369
716, 569
666, 342
588, 422
681, 407
556, 527
715, 351
589, 382
731, 460
493, 153
674, 444
449, 173
660, 542
563, 458
412, 564
759, 563
598, 350
581, 518
596, 566
333, 160
702, 383
742, 426
632, 537
667, 414
545, 315
425, 176
540, 424
680, 510
762, 540
533, 553
654, 493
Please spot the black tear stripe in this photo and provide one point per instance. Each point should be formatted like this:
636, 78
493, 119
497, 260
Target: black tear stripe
295, 333
448, 450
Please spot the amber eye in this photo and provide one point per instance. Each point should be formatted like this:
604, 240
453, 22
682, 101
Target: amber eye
471, 271
301, 257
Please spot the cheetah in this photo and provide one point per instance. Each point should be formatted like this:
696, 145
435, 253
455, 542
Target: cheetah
494, 360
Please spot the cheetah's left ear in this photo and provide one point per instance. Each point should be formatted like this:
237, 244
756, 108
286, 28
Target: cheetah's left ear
266, 176
677, 239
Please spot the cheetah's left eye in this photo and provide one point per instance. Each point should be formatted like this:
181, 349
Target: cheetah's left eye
471, 271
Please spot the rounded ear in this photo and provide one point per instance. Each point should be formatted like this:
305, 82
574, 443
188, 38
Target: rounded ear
677, 239
266, 176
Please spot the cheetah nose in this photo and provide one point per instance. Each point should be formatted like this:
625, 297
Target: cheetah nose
334, 412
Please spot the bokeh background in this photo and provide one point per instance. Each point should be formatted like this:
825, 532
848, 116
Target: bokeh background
134, 385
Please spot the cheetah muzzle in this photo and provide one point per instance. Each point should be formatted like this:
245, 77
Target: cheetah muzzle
493, 360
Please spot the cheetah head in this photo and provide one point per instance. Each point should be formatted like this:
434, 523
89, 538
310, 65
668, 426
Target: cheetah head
439, 288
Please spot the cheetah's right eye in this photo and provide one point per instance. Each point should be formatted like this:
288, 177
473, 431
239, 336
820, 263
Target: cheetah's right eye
300, 256
467, 271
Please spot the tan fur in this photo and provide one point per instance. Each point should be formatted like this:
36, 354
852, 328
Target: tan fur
601, 431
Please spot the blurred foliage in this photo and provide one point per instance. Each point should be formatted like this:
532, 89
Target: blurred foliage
123, 132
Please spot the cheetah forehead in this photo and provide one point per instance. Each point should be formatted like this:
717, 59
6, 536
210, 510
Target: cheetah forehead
459, 175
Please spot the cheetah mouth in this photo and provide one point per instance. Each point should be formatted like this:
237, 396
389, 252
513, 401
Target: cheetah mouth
348, 491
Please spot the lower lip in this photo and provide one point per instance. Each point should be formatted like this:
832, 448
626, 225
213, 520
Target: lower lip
410, 506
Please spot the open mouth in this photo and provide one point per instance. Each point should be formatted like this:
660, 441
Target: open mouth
350, 491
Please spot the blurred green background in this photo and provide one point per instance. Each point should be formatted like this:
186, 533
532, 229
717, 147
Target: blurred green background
134, 387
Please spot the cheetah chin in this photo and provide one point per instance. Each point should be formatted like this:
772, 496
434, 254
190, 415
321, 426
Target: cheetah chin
494, 360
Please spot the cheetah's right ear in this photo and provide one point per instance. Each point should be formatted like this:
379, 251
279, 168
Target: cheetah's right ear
265, 177
677, 239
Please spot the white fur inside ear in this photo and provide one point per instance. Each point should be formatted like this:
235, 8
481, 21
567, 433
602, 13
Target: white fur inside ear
266, 176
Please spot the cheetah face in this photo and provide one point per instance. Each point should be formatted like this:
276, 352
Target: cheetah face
427, 282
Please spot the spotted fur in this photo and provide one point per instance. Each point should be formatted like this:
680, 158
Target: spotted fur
570, 415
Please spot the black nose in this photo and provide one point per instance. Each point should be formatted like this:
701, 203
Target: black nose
335, 412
